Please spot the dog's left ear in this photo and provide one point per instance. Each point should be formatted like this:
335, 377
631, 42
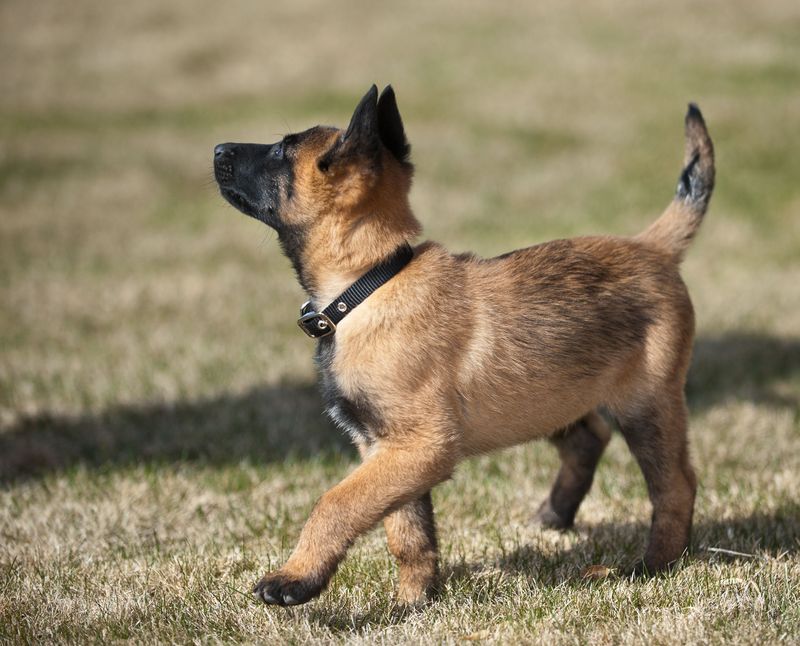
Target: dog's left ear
361, 141
362, 133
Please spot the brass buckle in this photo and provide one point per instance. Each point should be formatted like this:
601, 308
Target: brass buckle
316, 325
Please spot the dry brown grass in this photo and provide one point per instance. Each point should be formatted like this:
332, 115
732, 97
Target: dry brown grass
160, 438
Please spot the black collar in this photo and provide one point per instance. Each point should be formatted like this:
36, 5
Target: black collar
320, 324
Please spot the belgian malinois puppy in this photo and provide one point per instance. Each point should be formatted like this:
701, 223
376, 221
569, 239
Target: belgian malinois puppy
428, 357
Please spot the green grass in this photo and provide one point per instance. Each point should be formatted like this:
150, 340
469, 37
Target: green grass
161, 438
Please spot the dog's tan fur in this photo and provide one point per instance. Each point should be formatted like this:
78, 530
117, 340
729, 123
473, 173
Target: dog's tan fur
457, 355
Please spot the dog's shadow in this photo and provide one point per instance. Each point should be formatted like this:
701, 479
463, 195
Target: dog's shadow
261, 426
755, 537
745, 366
270, 424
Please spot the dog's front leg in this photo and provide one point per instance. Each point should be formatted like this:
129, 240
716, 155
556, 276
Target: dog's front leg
388, 479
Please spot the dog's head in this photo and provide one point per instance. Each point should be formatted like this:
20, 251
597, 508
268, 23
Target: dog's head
335, 197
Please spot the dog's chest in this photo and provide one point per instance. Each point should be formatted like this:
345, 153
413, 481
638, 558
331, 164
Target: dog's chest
351, 409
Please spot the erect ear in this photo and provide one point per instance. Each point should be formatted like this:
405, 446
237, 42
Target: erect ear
390, 126
363, 126
361, 139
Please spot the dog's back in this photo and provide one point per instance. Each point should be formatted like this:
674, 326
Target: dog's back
564, 327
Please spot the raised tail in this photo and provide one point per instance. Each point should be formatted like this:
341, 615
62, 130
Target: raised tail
676, 227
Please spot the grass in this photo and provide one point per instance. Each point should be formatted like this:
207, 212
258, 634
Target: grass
161, 439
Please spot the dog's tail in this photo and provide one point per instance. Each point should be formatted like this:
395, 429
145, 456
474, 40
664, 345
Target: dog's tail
676, 227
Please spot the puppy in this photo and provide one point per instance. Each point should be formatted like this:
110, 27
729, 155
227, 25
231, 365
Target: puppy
427, 358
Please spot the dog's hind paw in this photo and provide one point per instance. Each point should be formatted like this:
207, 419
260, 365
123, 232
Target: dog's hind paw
548, 518
643, 570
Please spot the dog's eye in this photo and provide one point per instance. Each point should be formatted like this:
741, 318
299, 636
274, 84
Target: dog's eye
277, 151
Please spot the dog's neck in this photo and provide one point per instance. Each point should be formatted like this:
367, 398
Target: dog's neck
325, 284
328, 269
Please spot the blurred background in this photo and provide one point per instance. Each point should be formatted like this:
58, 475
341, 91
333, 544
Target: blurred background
146, 324
126, 279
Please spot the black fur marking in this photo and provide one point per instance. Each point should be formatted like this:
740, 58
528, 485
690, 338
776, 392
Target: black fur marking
694, 113
293, 241
692, 185
696, 182
254, 178
354, 415
258, 179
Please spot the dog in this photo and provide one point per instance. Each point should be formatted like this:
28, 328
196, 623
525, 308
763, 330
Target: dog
426, 358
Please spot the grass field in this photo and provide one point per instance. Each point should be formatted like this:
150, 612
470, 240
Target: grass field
161, 438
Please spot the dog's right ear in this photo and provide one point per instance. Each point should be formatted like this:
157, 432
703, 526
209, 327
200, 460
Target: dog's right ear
390, 126
361, 141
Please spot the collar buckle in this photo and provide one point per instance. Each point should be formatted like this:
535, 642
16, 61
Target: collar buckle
322, 324
316, 324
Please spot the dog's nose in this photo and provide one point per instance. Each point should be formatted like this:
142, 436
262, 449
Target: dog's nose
223, 150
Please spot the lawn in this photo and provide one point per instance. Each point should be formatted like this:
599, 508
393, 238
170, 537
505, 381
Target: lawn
161, 436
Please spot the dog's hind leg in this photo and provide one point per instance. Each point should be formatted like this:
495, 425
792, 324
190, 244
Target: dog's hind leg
411, 535
580, 447
656, 435
411, 538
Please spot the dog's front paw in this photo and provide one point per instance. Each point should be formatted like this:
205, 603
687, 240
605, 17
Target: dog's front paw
281, 589
414, 596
